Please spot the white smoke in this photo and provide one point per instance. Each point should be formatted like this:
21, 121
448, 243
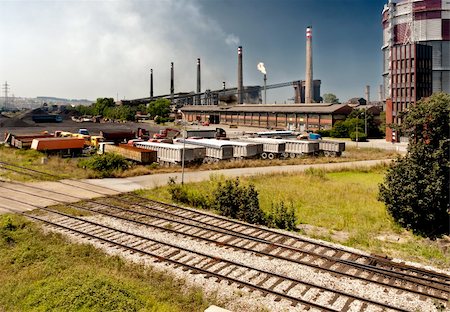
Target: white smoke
261, 68
232, 40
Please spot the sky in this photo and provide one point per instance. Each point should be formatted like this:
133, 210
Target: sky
89, 49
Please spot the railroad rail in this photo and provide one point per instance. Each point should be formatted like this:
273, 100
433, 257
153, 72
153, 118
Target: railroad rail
254, 279
270, 243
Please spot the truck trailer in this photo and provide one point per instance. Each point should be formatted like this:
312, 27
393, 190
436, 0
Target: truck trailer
134, 153
172, 154
63, 146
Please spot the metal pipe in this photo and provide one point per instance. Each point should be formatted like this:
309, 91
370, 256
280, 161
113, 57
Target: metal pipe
265, 89
151, 84
198, 81
172, 88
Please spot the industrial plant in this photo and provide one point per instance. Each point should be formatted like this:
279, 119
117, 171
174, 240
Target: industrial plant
416, 54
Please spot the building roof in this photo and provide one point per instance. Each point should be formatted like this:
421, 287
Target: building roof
272, 108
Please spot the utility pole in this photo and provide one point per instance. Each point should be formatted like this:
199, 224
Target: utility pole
6, 89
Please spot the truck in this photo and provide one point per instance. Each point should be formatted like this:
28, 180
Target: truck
167, 133
206, 134
137, 154
298, 148
46, 118
118, 136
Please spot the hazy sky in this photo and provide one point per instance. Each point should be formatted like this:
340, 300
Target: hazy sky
90, 49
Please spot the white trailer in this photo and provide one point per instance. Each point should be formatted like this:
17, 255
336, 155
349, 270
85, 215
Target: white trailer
331, 148
216, 150
243, 150
297, 148
271, 147
276, 134
170, 154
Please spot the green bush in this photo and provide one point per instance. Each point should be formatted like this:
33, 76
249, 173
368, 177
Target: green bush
190, 197
105, 164
324, 132
238, 201
281, 216
339, 130
361, 136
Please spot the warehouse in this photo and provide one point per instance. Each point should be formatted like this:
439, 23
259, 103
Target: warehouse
299, 117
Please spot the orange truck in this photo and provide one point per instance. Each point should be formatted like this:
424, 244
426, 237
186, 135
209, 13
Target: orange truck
64, 146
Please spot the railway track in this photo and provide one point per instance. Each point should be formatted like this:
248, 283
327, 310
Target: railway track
271, 244
280, 287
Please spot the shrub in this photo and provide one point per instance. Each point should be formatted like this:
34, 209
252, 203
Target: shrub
339, 130
361, 136
105, 164
237, 201
324, 132
281, 216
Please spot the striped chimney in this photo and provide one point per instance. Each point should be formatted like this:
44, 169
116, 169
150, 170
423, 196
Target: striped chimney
240, 86
172, 87
309, 67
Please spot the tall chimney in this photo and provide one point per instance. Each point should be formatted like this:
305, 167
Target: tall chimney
151, 84
367, 94
240, 86
172, 89
309, 68
199, 87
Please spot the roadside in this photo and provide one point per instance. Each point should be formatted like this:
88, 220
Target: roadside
20, 193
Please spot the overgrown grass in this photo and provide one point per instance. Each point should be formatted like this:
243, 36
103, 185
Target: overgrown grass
342, 201
43, 272
68, 167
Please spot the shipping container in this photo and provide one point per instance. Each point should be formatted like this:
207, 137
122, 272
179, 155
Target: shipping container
64, 146
141, 155
46, 118
24, 141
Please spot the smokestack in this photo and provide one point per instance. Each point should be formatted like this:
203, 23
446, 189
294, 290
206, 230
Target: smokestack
309, 68
151, 84
240, 86
172, 89
367, 94
199, 87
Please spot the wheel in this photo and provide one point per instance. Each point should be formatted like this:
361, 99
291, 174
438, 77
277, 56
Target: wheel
271, 156
264, 155
216, 160
292, 155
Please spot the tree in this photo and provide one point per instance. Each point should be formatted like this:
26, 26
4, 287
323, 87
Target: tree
101, 104
330, 98
160, 107
416, 187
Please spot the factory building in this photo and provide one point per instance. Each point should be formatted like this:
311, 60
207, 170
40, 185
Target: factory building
416, 54
298, 117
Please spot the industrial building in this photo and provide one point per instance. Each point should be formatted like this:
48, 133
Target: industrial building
416, 54
299, 117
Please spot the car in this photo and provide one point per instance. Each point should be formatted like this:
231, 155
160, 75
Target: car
83, 131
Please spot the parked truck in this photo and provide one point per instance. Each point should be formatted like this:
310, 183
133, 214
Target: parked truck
272, 148
205, 133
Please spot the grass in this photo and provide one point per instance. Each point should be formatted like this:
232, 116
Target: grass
65, 168
339, 206
42, 271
